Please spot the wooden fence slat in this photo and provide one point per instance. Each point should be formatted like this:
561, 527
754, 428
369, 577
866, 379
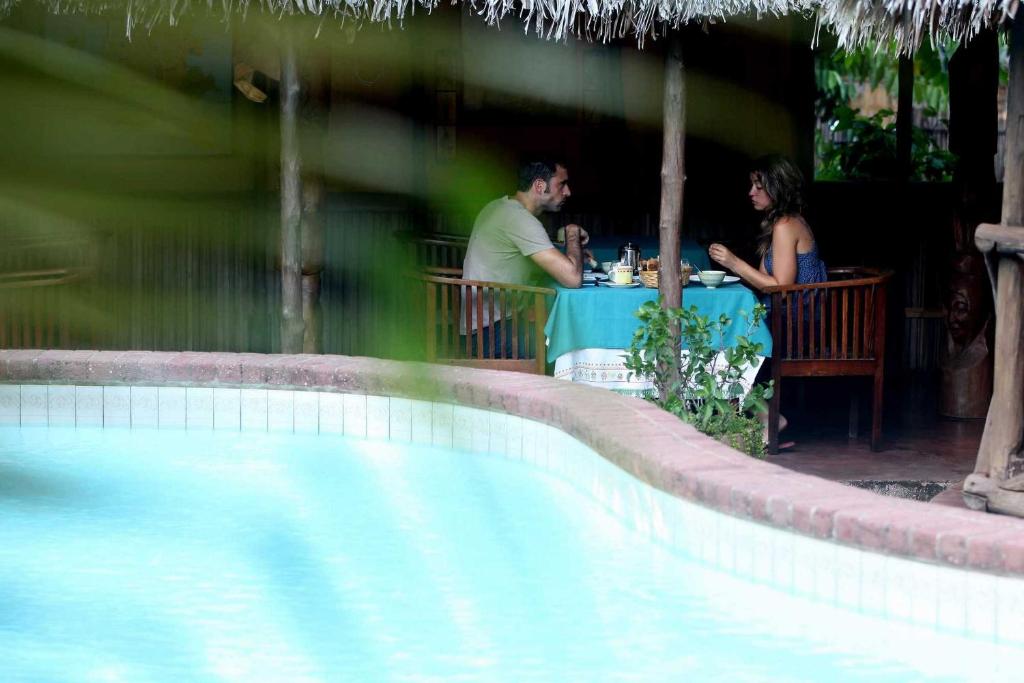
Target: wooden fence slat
789, 325
811, 325
799, 326
846, 322
857, 294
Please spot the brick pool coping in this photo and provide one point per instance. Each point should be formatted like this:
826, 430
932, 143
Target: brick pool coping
641, 439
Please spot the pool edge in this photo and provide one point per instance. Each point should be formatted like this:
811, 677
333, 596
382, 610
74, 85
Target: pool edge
672, 456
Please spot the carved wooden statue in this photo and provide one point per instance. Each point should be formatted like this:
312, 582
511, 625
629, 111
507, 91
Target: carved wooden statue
967, 363
967, 359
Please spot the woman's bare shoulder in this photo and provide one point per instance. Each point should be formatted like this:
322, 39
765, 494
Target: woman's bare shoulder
790, 227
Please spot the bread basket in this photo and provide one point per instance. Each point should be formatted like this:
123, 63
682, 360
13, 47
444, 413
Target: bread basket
649, 278
650, 269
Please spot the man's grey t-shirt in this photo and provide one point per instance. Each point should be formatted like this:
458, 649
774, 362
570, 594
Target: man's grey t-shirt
504, 237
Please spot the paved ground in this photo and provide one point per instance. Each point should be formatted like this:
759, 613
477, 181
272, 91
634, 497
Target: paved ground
919, 445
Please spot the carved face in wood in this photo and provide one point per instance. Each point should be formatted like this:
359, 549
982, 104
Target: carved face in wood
965, 305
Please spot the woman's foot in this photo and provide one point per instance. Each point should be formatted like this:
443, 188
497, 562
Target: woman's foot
783, 423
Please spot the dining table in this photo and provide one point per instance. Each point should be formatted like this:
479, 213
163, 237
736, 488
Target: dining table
589, 329
606, 248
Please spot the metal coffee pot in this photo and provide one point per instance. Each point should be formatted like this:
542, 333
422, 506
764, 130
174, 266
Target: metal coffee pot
629, 255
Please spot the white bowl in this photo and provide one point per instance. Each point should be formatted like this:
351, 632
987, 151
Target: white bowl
711, 278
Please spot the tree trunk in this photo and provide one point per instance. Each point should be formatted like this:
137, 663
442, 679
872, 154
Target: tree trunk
673, 174
1000, 452
315, 102
291, 202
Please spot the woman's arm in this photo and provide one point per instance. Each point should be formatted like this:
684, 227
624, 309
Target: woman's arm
784, 239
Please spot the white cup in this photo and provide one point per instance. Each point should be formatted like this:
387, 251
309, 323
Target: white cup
621, 275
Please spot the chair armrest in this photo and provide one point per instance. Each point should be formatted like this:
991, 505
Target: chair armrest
876, 277
445, 271
40, 278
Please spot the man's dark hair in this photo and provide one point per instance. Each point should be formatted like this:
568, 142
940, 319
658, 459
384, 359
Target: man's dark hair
532, 170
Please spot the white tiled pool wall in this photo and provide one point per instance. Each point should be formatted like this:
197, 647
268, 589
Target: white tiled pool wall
871, 583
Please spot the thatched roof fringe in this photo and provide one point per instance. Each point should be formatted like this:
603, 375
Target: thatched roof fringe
903, 23
598, 20
906, 23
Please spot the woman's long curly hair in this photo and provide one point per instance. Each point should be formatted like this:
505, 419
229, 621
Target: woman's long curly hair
784, 183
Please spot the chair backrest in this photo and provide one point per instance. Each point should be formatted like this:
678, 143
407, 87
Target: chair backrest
436, 250
831, 328
37, 280
453, 304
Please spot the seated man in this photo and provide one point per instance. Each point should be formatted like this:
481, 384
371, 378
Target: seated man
508, 244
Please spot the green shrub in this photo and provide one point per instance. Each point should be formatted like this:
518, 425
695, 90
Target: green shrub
697, 385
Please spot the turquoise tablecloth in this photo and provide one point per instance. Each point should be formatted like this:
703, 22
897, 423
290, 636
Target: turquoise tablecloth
604, 318
607, 249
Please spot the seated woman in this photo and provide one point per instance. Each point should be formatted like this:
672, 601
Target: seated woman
789, 254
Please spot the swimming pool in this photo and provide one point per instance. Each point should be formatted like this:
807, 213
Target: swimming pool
203, 555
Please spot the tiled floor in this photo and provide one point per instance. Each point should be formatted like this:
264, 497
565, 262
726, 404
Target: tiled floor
918, 444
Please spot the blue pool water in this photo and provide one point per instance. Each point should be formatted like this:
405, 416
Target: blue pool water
174, 556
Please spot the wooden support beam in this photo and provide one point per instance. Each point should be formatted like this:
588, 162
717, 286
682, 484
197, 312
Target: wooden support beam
1013, 175
292, 326
1000, 454
314, 100
1006, 239
673, 173
1001, 442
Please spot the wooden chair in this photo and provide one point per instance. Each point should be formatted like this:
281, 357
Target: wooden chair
835, 328
34, 308
435, 250
40, 280
522, 308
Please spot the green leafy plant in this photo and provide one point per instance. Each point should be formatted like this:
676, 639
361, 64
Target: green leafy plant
858, 146
869, 150
840, 74
702, 385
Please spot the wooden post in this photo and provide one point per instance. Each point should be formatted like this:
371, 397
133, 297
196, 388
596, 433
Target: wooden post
905, 118
313, 111
999, 455
1013, 177
291, 201
673, 173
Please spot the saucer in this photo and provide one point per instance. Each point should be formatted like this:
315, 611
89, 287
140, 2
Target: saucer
626, 285
728, 280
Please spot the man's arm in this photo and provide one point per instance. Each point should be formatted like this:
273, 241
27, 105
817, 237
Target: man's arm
567, 269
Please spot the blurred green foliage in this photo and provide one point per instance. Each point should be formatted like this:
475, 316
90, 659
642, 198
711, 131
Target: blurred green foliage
864, 146
870, 150
839, 74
